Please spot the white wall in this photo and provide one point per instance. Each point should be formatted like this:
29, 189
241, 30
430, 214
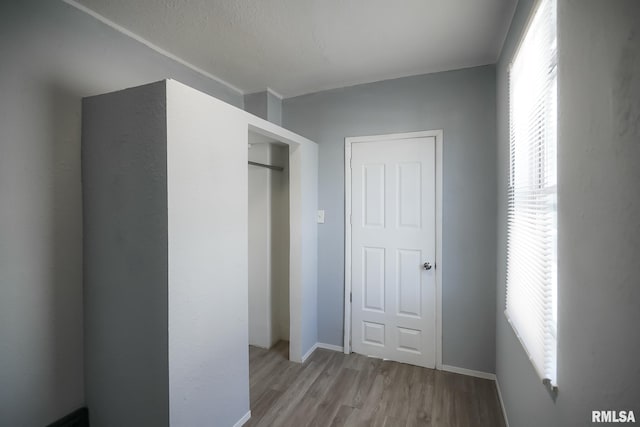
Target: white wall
280, 242
208, 259
208, 254
167, 255
268, 246
308, 161
260, 262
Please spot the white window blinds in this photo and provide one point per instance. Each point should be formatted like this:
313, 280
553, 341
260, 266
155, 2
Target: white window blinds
532, 231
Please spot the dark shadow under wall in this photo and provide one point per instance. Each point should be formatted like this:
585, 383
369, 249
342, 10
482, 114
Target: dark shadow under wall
79, 418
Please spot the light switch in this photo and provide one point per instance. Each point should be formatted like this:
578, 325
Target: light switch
321, 217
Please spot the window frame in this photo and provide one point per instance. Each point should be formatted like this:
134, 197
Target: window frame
539, 172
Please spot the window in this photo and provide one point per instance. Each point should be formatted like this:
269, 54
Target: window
531, 229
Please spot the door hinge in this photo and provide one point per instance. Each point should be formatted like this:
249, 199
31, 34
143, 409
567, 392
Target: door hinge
350, 162
350, 297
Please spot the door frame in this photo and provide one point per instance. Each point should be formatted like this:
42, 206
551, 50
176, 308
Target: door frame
348, 142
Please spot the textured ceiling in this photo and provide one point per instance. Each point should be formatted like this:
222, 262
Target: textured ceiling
301, 46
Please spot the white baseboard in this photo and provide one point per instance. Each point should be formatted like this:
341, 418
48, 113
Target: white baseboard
321, 345
337, 348
504, 410
309, 352
469, 372
245, 418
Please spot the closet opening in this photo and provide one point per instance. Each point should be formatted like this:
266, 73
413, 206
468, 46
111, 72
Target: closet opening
269, 248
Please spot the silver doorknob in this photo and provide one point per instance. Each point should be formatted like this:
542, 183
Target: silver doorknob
427, 266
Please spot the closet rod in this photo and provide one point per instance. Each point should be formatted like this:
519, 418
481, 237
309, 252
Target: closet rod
262, 165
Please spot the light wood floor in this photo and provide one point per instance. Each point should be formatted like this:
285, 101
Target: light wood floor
334, 389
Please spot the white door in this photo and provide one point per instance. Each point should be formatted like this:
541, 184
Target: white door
393, 235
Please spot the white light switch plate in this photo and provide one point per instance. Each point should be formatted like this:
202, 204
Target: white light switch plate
321, 217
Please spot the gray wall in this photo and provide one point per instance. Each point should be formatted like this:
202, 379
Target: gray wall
125, 257
52, 56
598, 220
274, 109
264, 105
256, 104
462, 103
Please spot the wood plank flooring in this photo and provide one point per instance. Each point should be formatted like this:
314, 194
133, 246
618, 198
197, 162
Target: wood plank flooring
333, 389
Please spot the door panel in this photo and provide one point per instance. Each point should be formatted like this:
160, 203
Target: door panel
409, 340
409, 286
373, 281
409, 204
373, 196
373, 333
392, 236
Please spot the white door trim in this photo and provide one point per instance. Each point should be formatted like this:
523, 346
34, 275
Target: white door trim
437, 134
